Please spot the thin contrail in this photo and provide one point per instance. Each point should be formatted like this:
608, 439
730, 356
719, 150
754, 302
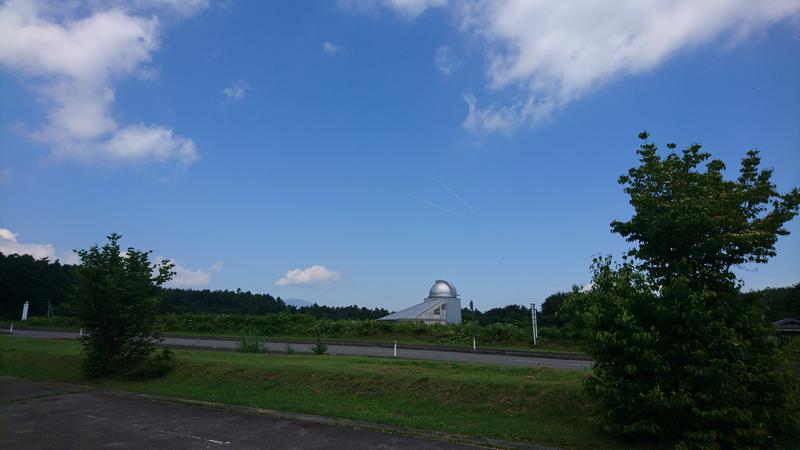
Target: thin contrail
458, 197
435, 205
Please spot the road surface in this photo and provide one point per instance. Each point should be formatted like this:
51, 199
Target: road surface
352, 350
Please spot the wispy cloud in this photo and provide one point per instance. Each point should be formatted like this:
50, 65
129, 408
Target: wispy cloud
458, 197
406, 8
329, 48
236, 90
310, 276
433, 205
444, 60
72, 58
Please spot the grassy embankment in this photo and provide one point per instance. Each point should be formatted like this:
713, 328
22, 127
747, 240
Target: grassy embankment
298, 327
543, 406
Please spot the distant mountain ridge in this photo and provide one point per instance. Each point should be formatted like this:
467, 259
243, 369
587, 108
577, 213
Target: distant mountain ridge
297, 302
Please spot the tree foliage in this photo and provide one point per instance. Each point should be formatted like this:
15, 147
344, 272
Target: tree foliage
38, 281
679, 352
116, 300
694, 223
781, 303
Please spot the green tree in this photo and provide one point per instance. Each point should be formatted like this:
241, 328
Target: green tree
696, 224
116, 299
550, 309
679, 352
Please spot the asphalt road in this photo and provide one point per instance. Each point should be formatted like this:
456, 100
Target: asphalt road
37, 415
434, 355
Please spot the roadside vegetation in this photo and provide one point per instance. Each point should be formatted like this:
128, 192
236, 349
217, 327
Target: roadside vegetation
304, 327
542, 406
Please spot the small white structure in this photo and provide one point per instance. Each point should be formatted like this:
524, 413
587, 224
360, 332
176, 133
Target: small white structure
25, 311
441, 306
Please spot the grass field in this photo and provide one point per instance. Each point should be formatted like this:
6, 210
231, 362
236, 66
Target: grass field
542, 406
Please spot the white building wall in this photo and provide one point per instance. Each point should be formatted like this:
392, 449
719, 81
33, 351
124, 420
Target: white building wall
453, 310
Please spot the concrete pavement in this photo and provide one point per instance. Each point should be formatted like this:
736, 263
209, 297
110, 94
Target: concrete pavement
36, 415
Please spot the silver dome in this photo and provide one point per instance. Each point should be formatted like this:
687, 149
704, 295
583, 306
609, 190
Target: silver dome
442, 288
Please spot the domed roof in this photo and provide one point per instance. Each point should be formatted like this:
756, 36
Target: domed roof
442, 288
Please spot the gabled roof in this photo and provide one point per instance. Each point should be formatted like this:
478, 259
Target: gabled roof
413, 312
787, 321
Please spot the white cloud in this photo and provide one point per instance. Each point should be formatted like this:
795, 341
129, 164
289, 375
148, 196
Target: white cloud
329, 48
72, 64
189, 278
9, 246
554, 53
236, 90
313, 275
444, 60
153, 143
544, 55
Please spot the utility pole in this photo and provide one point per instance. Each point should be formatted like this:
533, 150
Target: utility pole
474, 340
534, 324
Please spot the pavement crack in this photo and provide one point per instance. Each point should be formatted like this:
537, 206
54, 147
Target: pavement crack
181, 434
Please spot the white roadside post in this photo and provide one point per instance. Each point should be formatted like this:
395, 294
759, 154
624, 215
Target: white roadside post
11, 330
395, 348
474, 338
534, 325
25, 311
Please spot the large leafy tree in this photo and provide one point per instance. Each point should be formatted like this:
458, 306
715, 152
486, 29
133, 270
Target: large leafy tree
116, 298
694, 223
679, 352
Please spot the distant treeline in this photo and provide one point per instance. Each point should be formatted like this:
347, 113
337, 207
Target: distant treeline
181, 301
24, 278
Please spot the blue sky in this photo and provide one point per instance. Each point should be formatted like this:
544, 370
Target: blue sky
353, 152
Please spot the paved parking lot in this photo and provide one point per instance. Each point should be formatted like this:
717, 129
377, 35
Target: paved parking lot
53, 416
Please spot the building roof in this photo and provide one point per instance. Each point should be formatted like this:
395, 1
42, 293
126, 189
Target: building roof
442, 288
410, 313
787, 321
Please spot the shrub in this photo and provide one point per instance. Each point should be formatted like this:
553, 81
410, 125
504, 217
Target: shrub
250, 342
319, 347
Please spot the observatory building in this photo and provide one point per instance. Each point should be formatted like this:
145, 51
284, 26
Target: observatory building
441, 306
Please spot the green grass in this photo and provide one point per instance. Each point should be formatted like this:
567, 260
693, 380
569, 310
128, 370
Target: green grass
543, 406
